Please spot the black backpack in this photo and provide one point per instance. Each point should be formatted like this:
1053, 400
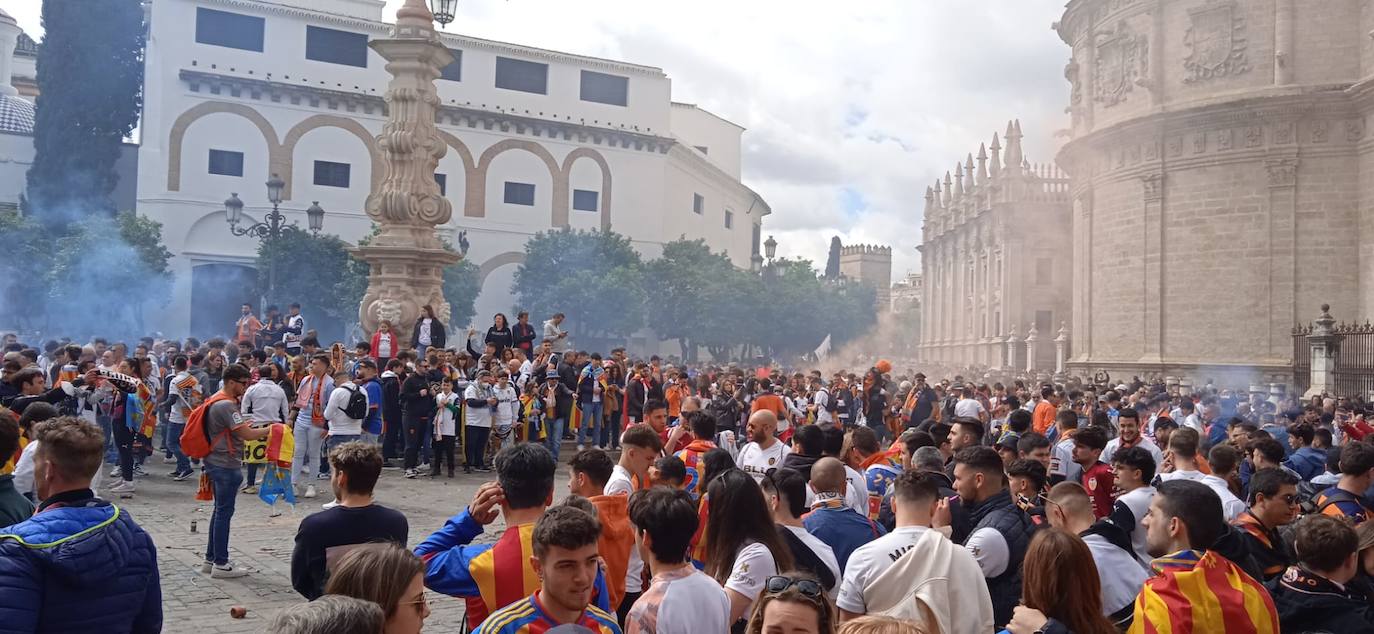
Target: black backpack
356, 408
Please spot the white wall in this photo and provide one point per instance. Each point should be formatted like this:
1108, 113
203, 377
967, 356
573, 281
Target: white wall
721, 138
16, 156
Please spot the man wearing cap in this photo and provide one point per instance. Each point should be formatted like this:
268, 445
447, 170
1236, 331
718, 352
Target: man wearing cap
921, 402
559, 399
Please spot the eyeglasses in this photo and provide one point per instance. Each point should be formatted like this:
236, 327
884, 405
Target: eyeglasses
1289, 499
419, 603
809, 588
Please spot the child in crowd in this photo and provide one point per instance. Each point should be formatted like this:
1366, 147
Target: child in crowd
445, 426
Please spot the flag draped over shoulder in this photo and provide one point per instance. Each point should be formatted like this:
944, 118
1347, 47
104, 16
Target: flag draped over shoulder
1202, 592
140, 412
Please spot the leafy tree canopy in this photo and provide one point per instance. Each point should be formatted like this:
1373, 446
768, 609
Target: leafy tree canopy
595, 278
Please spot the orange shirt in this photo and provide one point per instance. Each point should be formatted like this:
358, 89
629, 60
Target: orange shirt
674, 395
771, 402
1043, 417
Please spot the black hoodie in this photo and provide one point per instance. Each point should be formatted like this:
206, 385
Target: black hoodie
1307, 602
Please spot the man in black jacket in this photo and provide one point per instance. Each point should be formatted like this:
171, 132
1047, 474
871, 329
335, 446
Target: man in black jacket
417, 415
1313, 596
562, 399
523, 335
393, 428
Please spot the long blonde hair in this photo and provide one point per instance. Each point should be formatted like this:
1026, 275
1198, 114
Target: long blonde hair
874, 624
379, 573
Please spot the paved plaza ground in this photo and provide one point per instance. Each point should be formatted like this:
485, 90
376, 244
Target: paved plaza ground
194, 603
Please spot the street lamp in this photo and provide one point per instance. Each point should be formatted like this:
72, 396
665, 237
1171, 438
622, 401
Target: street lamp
271, 226
770, 247
443, 11
756, 263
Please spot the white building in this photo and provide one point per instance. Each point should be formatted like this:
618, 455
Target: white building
237, 90
18, 57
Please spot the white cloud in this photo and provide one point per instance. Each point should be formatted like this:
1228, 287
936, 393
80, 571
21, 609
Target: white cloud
878, 97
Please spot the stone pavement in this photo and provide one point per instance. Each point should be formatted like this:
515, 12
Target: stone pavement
194, 603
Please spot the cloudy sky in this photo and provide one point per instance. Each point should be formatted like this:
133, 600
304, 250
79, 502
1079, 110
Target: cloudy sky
851, 109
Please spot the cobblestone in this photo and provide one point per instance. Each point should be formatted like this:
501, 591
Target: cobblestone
195, 603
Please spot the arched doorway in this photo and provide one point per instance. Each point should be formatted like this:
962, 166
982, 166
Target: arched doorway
218, 290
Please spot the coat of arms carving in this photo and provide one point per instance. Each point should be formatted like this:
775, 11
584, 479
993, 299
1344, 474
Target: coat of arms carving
1123, 61
1215, 42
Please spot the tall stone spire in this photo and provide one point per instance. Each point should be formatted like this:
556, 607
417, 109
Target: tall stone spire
949, 187
995, 169
1014, 157
982, 164
958, 182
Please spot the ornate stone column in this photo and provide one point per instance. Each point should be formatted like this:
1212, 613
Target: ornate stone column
1032, 337
1061, 343
1326, 345
407, 257
1012, 341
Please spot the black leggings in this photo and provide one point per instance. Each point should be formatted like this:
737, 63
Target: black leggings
124, 442
444, 450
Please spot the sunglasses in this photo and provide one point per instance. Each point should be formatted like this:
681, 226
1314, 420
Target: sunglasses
809, 588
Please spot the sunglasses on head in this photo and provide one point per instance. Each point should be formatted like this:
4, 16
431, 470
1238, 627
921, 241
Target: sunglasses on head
809, 588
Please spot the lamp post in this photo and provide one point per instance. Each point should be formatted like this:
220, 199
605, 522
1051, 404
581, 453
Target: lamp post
271, 226
770, 249
443, 11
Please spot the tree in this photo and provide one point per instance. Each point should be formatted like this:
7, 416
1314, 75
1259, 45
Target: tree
687, 291
24, 270
462, 283
594, 277
832, 261
318, 272
103, 268
90, 72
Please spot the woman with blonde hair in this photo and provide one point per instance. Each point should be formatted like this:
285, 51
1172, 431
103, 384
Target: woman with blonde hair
873, 624
390, 576
1060, 589
795, 603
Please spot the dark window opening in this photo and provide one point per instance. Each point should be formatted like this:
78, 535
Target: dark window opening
603, 88
336, 47
231, 30
584, 200
518, 74
519, 194
330, 174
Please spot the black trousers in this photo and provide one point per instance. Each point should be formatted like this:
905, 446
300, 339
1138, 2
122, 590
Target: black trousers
124, 443
475, 449
393, 438
417, 428
443, 450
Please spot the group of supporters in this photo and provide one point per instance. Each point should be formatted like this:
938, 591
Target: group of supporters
700, 498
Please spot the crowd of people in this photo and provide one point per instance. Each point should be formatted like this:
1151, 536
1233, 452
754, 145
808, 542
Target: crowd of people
700, 498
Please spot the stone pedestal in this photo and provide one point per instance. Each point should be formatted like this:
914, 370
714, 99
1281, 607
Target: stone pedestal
1032, 338
1326, 345
407, 256
403, 278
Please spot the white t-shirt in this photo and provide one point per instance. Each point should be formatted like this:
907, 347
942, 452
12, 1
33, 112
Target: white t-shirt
869, 561
968, 408
1231, 506
756, 461
1061, 461
681, 601
445, 422
478, 416
1114, 445
507, 407
989, 549
824, 552
754, 564
856, 494
1138, 501
622, 483
1120, 580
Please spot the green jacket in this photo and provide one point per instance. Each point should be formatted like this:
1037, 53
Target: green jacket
14, 507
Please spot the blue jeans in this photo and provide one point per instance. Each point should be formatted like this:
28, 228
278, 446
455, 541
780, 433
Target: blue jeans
336, 440
554, 427
172, 443
225, 483
111, 455
591, 424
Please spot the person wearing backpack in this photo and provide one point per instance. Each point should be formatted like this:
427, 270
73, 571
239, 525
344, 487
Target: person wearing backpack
344, 412
215, 431
1346, 498
914, 572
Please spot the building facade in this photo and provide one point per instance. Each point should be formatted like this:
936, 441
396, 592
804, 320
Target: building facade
1223, 179
238, 90
994, 260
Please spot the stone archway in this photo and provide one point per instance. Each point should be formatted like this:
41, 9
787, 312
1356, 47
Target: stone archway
288, 146
496, 262
560, 217
471, 175
178, 135
476, 206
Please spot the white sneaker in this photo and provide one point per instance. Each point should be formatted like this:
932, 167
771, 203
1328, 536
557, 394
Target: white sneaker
329, 505
127, 493
227, 571
122, 486
114, 473
276, 511
309, 491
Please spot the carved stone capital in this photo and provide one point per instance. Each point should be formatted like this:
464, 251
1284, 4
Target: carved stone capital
1153, 186
1282, 172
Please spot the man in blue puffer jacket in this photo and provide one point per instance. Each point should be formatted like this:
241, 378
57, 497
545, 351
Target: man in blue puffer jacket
80, 564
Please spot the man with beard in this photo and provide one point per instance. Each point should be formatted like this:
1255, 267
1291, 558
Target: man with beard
764, 451
1273, 504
